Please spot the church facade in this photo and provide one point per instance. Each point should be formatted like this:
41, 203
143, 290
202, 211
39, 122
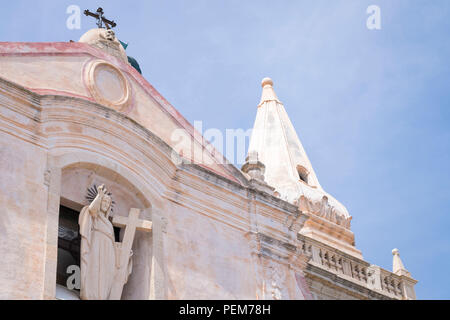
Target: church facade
78, 120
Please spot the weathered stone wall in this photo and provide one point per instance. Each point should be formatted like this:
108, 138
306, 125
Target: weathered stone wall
23, 199
321, 291
206, 259
200, 246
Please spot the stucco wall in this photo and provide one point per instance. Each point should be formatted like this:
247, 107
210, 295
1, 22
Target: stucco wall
23, 199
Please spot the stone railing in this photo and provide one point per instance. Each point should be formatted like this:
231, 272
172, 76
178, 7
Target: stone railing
391, 284
355, 270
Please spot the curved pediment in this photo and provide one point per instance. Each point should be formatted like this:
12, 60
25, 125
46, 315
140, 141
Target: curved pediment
80, 70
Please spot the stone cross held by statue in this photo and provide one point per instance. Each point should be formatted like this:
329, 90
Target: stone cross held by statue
131, 224
100, 19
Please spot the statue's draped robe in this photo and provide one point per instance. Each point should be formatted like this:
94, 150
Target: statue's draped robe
97, 255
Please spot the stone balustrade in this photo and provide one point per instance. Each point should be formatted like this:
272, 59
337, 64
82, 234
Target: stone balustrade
358, 271
391, 284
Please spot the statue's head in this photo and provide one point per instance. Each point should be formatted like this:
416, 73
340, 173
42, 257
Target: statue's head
105, 205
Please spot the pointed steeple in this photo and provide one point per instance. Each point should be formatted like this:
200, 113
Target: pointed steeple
397, 265
289, 171
268, 94
278, 146
275, 140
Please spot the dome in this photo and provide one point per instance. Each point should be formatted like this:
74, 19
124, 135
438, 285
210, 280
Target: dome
134, 64
105, 40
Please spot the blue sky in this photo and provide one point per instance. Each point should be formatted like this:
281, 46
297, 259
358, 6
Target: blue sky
372, 107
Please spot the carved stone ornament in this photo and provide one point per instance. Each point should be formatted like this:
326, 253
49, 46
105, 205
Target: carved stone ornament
325, 210
276, 281
108, 85
106, 41
253, 167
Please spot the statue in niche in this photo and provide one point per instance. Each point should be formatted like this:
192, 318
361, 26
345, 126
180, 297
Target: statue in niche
105, 264
98, 258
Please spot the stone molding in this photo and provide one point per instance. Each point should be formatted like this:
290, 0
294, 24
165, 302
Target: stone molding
93, 72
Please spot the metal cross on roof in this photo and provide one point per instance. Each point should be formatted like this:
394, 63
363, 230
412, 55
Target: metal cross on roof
100, 19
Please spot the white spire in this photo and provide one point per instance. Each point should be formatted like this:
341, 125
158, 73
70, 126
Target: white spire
287, 167
397, 265
278, 147
275, 146
268, 94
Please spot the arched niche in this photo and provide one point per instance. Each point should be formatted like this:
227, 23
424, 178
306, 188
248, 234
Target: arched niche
69, 176
77, 178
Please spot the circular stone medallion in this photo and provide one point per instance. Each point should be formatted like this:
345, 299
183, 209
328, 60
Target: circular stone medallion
108, 85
